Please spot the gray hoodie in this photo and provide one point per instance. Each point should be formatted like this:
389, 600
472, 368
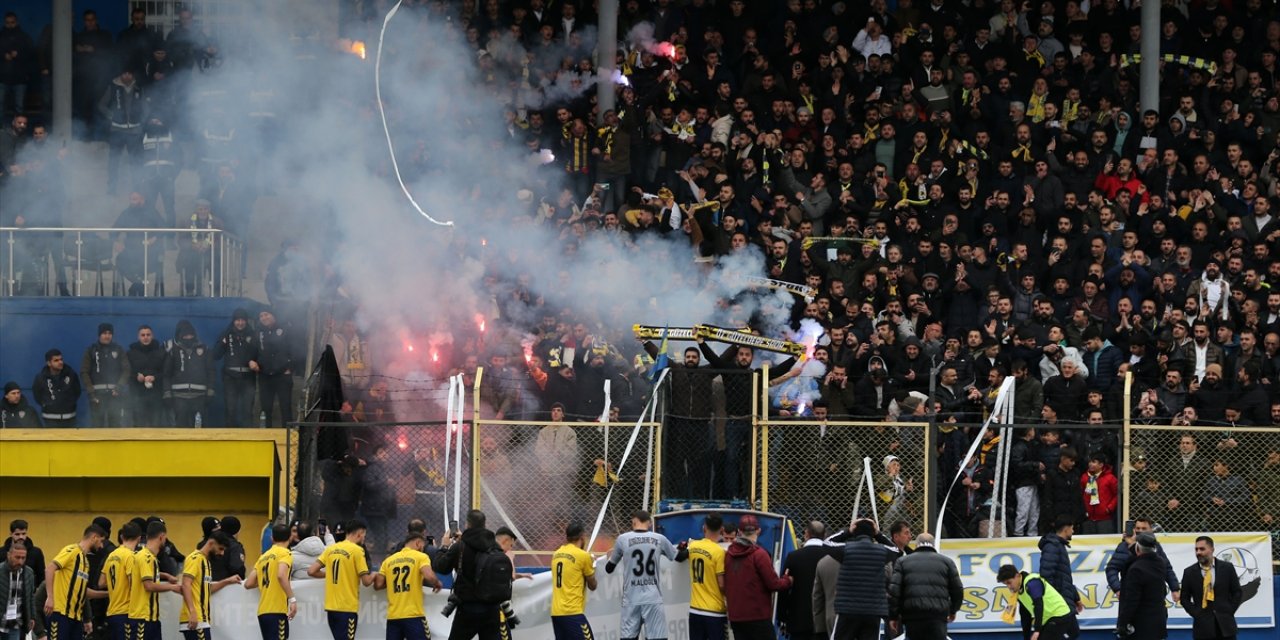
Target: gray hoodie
306, 553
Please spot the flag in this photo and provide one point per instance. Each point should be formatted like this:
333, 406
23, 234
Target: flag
662, 361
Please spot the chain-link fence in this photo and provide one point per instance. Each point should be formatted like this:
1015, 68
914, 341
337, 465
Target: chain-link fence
708, 433
815, 470
385, 474
1202, 479
537, 477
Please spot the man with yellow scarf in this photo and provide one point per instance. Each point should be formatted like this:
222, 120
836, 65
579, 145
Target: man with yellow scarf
1211, 594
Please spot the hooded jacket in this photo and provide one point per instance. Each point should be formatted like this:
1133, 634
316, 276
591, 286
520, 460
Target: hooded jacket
925, 585
1055, 566
57, 394
306, 553
236, 349
188, 367
124, 106
460, 557
749, 580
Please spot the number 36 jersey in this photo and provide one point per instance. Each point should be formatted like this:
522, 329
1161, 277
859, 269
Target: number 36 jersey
637, 555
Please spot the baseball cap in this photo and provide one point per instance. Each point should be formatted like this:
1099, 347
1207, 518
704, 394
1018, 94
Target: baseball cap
748, 524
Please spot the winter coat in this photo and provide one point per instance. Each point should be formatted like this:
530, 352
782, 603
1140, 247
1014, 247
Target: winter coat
690, 388
57, 394
21, 415
236, 349
146, 360
123, 106
925, 585
749, 581
1103, 366
1066, 395
1060, 497
461, 557
1055, 566
1108, 492
1124, 556
35, 557
306, 553
275, 356
27, 599
188, 366
1024, 462
1142, 599
862, 588
105, 368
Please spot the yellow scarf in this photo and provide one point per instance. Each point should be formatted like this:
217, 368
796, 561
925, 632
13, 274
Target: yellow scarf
1070, 110
1035, 107
1023, 153
1035, 55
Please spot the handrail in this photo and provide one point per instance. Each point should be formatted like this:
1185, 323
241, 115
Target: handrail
31, 249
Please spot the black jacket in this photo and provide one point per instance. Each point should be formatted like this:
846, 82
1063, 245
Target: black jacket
188, 366
19, 415
1066, 396
149, 361
925, 585
275, 356
861, 587
1061, 495
1142, 599
35, 557
461, 557
1024, 462
105, 368
1055, 566
1124, 556
795, 607
1227, 597
236, 349
57, 393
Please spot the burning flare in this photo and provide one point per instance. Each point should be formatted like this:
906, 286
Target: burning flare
357, 47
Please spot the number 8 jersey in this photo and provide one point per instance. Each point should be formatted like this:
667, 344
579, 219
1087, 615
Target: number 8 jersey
637, 555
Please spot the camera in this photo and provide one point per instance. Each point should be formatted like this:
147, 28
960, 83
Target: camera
450, 606
509, 615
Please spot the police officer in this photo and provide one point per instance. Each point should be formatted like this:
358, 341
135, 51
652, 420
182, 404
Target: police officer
57, 390
275, 366
1142, 614
188, 375
106, 372
237, 348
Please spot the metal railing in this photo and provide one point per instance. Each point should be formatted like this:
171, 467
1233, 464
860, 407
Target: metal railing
48, 261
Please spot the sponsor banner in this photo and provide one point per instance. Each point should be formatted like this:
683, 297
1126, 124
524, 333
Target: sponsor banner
234, 609
985, 599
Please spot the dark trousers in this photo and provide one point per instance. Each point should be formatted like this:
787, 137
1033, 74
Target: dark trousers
106, 410
1063, 628
64, 423
273, 388
707, 627
483, 621
119, 141
408, 629
850, 627
237, 393
198, 634
63, 628
185, 410
753, 630
118, 628
688, 442
729, 482
148, 410
1098, 526
926, 629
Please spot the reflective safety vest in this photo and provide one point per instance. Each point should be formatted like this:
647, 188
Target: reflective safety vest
1054, 604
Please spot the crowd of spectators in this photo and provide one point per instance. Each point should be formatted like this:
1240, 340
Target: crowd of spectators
971, 190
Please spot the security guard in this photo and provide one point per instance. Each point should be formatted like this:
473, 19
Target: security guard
237, 348
1142, 614
105, 370
57, 390
1044, 610
188, 375
275, 362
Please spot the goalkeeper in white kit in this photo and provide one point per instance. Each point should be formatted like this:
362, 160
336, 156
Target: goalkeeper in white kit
639, 551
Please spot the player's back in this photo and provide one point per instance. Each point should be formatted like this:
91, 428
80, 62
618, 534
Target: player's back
118, 571
639, 554
706, 562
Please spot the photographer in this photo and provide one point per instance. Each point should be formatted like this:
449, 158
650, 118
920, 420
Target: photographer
471, 556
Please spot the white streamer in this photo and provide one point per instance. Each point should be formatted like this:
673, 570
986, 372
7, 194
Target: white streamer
457, 461
1006, 390
651, 407
871, 489
448, 435
502, 513
377, 90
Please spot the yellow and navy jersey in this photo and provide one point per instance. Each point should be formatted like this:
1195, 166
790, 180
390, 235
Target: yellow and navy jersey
344, 563
117, 570
570, 567
706, 563
403, 571
272, 598
197, 568
70, 581
144, 605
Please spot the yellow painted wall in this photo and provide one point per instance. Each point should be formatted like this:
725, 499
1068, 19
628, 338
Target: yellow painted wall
60, 479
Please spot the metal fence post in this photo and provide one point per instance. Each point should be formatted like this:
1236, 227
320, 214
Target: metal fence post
475, 440
755, 430
1124, 450
764, 439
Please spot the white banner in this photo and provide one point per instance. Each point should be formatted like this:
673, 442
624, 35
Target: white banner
984, 599
235, 609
